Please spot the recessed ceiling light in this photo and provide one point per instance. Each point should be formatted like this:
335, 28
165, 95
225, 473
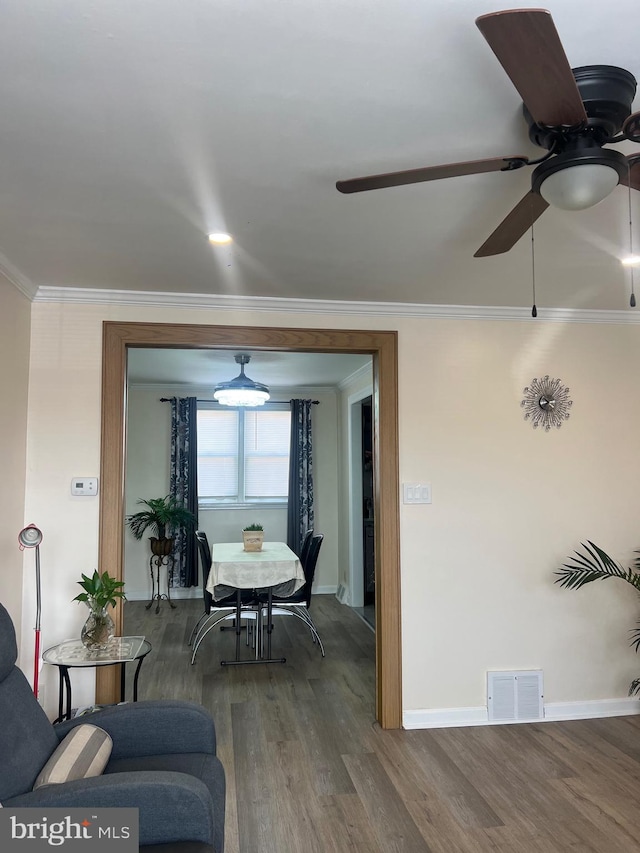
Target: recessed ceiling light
219, 238
631, 261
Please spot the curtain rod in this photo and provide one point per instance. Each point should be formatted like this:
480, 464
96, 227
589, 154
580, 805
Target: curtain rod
169, 399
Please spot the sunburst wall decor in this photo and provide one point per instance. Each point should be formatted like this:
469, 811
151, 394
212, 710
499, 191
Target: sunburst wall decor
546, 403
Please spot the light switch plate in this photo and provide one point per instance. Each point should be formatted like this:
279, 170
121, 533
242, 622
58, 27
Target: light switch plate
416, 493
84, 486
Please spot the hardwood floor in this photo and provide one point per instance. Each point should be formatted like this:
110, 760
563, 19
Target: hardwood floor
308, 769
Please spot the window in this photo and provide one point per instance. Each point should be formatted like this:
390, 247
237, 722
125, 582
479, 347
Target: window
243, 454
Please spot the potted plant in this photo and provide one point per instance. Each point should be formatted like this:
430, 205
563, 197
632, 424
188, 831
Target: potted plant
160, 516
100, 591
253, 537
592, 565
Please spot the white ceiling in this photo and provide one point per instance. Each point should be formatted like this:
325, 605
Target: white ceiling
205, 368
129, 130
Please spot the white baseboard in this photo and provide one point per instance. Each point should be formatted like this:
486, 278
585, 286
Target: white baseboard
325, 590
441, 718
589, 710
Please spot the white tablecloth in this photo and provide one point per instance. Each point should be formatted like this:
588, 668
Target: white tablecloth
276, 566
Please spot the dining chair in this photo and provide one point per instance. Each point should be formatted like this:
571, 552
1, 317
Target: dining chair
298, 604
223, 609
306, 544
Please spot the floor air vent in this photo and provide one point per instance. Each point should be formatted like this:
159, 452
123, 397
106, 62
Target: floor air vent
515, 696
340, 594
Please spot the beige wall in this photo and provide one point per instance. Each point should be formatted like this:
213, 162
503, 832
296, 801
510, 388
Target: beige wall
15, 314
148, 440
509, 503
147, 476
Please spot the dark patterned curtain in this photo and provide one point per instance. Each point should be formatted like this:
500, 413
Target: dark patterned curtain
300, 508
183, 485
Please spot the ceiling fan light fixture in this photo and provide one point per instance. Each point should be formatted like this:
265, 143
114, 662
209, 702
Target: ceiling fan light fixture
577, 180
579, 187
241, 391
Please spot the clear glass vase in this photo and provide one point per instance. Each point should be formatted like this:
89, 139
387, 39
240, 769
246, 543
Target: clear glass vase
98, 629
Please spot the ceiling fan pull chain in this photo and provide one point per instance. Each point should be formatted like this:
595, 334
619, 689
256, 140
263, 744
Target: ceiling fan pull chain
534, 310
632, 300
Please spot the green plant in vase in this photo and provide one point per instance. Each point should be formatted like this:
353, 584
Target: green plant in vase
253, 537
100, 592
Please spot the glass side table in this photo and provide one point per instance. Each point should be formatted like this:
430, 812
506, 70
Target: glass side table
72, 653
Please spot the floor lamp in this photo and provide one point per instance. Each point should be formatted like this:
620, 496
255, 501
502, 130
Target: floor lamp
31, 537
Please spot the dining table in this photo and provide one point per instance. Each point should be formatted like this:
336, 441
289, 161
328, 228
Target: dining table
274, 570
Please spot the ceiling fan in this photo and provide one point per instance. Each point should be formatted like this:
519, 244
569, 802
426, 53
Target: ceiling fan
572, 113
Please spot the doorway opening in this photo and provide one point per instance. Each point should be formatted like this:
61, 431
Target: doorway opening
362, 572
368, 514
382, 346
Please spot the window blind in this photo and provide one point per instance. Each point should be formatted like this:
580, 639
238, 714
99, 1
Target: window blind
218, 453
243, 454
266, 454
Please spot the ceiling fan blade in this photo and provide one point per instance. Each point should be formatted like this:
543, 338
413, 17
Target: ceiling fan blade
633, 179
431, 173
529, 49
513, 226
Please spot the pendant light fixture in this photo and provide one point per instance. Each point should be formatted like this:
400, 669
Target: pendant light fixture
241, 391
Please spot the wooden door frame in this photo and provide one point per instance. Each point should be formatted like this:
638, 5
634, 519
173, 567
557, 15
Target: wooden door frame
383, 347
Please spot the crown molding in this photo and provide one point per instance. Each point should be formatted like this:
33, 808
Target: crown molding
223, 302
366, 369
177, 388
17, 279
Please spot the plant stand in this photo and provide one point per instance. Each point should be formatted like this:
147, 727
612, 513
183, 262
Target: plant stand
158, 561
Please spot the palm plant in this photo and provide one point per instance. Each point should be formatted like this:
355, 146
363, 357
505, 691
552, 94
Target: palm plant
593, 565
160, 516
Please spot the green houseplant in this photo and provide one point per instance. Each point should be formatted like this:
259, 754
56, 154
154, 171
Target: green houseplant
594, 564
100, 591
253, 537
160, 516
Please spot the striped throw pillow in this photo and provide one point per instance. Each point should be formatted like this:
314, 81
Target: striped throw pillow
84, 752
